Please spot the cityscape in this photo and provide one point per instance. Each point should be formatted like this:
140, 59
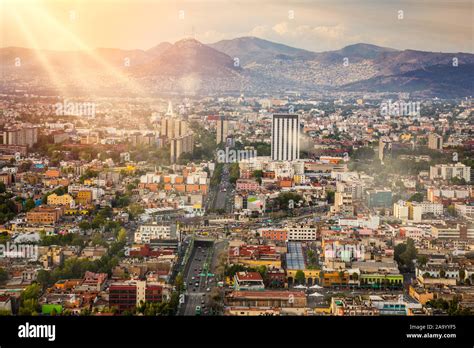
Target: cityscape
239, 173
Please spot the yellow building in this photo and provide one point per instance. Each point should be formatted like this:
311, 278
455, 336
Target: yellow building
405, 137
84, 197
72, 212
65, 199
256, 263
420, 294
311, 275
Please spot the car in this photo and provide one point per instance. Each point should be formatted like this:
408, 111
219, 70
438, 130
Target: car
203, 295
194, 289
197, 284
190, 283
193, 278
208, 289
202, 302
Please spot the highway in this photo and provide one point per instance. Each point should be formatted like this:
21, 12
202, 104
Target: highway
197, 285
225, 197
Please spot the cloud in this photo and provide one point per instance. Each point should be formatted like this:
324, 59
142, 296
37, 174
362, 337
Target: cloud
322, 37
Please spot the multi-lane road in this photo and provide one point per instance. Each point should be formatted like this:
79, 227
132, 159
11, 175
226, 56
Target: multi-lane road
198, 281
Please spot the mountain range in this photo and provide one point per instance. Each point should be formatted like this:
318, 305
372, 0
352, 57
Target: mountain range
245, 64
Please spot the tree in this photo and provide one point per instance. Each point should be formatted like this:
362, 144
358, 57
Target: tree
29, 307
330, 196
409, 254
285, 197
44, 278
451, 210
84, 225
417, 197
234, 173
300, 277
122, 235
405, 253
32, 291
29, 204
135, 210
2, 187
179, 282
3, 275
422, 260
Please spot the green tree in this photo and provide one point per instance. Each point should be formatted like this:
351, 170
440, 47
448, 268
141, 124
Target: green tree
409, 254
330, 196
29, 204
451, 210
417, 197
32, 291
44, 278
122, 235
3, 275
300, 277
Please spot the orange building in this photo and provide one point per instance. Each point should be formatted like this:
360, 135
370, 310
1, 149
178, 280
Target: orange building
180, 187
334, 278
44, 215
52, 173
203, 188
192, 188
285, 183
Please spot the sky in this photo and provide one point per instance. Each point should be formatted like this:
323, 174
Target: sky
316, 25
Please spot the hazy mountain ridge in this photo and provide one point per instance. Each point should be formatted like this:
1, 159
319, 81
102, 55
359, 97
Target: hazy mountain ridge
261, 66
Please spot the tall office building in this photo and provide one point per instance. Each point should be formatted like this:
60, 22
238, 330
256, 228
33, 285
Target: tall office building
173, 127
222, 129
180, 145
435, 141
22, 136
285, 137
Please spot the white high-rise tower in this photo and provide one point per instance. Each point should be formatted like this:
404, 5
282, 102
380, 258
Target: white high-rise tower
285, 137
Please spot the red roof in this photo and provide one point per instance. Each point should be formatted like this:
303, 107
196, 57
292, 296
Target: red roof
248, 276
